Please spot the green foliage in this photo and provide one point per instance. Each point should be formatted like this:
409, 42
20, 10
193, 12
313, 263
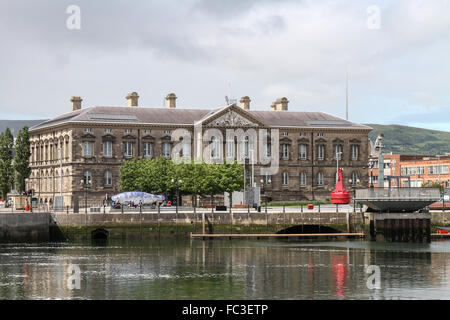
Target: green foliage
6, 168
162, 175
434, 185
410, 140
22, 158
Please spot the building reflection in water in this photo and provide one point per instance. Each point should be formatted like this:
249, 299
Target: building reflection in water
226, 270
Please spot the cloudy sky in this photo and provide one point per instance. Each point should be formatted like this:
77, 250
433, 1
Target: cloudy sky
398, 61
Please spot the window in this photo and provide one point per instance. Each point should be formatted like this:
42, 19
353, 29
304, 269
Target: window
267, 179
128, 131
320, 151
302, 134
437, 169
230, 148
87, 150
215, 148
246, 147
87, 130
338, 152
107, 149
268, 149
166, 149
167, 131
320, 179
284, 134
354, 179
87, 178
108, 130
108, 178
128, 149
355, 152
302, 179
285, 179
147, 149
302, 151
284, 152
320, 134
147, 131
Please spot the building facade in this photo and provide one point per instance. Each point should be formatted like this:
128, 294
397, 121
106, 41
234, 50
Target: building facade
415, 170
90, 144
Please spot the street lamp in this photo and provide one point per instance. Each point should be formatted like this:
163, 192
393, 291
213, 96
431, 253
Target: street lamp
354, 191
177, 183
86, 183
371, 165
264, 191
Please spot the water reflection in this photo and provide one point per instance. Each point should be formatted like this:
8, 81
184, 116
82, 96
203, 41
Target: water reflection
238, 269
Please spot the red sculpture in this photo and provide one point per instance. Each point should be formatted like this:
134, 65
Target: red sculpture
340, 195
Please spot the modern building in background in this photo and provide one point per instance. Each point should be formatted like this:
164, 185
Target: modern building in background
90, 144
413, 169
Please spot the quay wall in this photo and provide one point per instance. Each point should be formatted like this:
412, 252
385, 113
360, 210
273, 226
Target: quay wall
24, 227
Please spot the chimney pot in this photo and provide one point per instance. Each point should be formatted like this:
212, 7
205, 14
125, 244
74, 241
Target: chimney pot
171, 101
76, 103
280, 104
245, 103
132, 99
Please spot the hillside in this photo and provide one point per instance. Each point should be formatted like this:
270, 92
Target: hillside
412, 140
16, 125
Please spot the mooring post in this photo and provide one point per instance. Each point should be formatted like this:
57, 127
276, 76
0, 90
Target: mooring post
231, 222
337, 210
319, 207
301, 207
159, 224
348, 222
140, 220
203, 223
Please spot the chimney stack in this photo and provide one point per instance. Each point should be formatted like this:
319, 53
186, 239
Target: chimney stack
245, 103
76, 103
280, 104
171, 101
132, 99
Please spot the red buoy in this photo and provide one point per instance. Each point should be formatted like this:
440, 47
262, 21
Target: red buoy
340, 195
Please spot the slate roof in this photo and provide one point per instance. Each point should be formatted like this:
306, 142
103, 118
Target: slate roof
182, 116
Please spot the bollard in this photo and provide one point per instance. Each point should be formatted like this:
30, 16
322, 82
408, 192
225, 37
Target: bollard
121, 208
301, 208
67, 209
319, 207
203, 223
283, 209
337, 209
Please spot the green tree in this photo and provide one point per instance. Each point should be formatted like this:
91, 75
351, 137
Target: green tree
231, 178
129, 174
22, 158
6, 167
434, 185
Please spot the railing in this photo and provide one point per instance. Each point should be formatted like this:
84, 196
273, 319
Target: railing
398, 194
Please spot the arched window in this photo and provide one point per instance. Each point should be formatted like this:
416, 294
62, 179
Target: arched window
354, 179
285, 178
320, 179
302, 179
87, 179
108, 178
215, 148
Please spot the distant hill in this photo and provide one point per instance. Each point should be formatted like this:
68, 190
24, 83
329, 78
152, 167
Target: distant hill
16, 125
412, 140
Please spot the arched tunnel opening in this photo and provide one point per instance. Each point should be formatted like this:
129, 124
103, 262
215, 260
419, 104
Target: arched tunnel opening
308, 228
99, 234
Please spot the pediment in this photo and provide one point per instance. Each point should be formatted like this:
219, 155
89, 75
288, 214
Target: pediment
232, 116
108, 137
88, 136
148, 138
355, 140
129, 137
321, 140
303, 140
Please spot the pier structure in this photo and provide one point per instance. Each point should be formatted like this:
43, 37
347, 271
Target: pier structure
399, 214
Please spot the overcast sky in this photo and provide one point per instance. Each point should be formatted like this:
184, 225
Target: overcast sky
202, 50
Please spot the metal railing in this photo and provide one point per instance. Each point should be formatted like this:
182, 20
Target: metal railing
398, 194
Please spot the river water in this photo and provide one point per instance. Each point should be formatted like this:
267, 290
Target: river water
224, 269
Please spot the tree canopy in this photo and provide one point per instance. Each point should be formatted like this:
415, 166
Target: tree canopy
6, 167
162, 175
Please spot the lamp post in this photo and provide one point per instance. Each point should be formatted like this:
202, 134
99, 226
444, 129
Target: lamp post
177, 183
86, 182
264, 192
371, 164
354, 185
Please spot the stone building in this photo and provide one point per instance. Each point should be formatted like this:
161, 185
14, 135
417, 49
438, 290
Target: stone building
91, 144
